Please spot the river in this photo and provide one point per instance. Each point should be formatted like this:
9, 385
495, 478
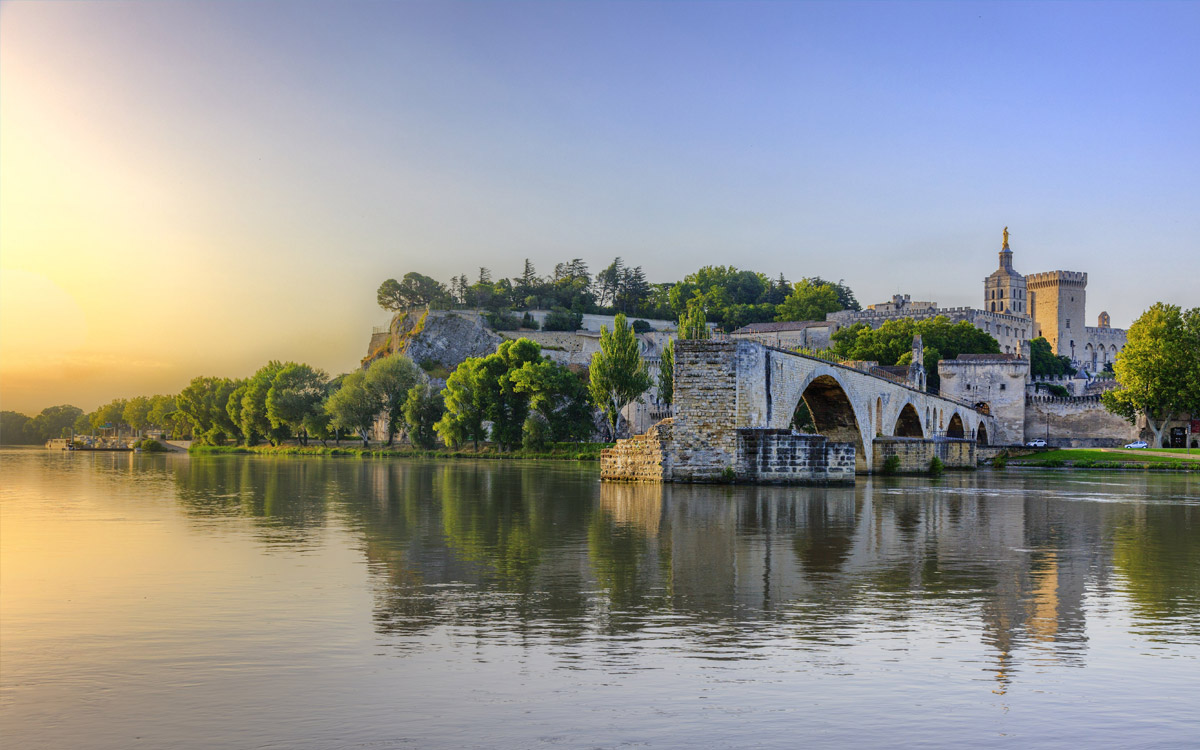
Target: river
253, 602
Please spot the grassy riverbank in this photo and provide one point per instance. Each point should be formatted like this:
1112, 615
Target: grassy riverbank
1085, 458
552, 452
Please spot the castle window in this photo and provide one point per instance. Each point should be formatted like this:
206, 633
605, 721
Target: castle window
1068, 322
1002, 386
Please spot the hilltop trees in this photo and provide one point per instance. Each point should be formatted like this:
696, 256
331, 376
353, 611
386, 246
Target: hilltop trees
809, 301
729, 296
1159, 368
415, 290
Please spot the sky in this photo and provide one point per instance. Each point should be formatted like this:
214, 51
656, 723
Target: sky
194, 188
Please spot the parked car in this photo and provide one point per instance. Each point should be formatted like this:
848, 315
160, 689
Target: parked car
1138, 444
1036, 443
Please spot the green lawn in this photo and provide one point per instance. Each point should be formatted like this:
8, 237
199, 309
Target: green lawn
1084, 458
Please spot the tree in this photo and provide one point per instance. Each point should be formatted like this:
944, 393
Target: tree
16, 429
558, 400
111, 414
891, 343
55, 421
1159, 368
137, 413
353, 407
666, 374
1042, 360
255, 423
505, 405
389, 296
808, 301
296, 392
618, 373
466, 405
423, 407
845, 295
390, 379
692, 324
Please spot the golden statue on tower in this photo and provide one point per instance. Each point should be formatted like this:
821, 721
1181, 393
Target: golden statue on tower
1005, 239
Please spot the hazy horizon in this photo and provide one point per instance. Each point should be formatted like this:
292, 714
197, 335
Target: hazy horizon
196, 188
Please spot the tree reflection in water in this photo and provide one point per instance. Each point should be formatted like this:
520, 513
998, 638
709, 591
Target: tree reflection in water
542, 551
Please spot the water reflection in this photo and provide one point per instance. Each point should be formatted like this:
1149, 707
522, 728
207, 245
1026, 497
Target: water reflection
513, 549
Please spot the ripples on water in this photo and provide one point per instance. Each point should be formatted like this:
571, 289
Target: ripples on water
252, 602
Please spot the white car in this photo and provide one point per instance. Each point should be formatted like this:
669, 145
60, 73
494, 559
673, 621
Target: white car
1138, 444
1036, 443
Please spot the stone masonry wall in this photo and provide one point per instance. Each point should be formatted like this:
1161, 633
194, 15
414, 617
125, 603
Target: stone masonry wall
1076, 423
916, 453
786, 457
706, 395
641, 458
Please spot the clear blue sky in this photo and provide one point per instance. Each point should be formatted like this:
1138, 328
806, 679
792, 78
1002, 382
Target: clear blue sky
254, 170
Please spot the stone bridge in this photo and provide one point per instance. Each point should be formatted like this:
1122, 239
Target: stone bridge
737, 410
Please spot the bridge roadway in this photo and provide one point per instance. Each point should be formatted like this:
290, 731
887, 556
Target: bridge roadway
723, 387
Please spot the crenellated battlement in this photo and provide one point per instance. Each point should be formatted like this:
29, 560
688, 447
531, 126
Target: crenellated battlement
1056, 278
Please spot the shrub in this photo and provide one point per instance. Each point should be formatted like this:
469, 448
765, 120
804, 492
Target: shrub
891, 465
936, 467
1058, 390
560, 319
1000, 461
150, 445
503, 321
728, 474
528, 321
641, 326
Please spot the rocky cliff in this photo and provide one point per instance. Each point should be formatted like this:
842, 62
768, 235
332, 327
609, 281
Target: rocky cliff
435, 337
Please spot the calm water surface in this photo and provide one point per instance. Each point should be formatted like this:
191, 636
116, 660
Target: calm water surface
249, 602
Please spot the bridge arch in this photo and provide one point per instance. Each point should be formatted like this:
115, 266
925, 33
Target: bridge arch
908, 423
835, 413
954, 428
981, 436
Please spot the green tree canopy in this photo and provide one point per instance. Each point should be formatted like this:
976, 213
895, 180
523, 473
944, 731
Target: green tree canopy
353, 407
617, 375
16, 429
390, 380
254, 422
55, 422
466, 401
891, 343
809, 301
666, 374
297, 391
1043, 361
1159, 368
423, 407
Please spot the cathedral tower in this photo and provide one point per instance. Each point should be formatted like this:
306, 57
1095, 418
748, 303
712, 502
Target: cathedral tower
1004, 291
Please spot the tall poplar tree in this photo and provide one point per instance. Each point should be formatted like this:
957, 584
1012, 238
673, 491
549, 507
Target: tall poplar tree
618, 373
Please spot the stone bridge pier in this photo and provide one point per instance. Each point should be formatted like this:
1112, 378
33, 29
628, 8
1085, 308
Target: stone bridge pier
738, 416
